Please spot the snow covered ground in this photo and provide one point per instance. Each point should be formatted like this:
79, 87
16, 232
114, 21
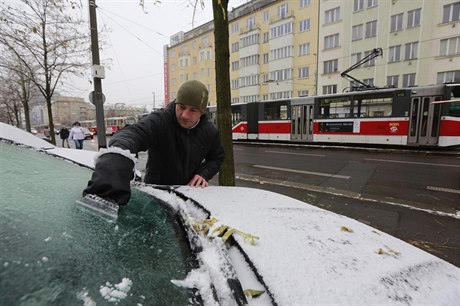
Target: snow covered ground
295, 253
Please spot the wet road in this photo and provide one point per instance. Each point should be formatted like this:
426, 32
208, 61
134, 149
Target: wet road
412, 196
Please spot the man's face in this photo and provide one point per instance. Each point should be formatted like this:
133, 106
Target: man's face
187, 115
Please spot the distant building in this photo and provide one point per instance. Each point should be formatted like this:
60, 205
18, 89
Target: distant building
67, 110
283, 49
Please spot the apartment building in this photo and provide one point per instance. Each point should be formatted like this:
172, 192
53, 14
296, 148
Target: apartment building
67, 110
283, 49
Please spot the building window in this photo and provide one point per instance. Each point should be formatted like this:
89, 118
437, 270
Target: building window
283, 10
332, 15
303, 72
302, 93
304, 25
331, 41
249, 60
265, 37
265, 58
251, 22
281, 52
357, 32
304, 3
448, 77
393, 80
249, 80
408, 80
394, 54
371, 29
281, 75
205, 41
235, 84
396, 22
410, 51
372, 3
235, 65
358, 5
330, 66
413, 18
304, 49
369, 82
249, 40
450, 46
281, 30
451, 12
355, 57
183, 62
369, 63
235, 27
235, 47
266, 16
329, 89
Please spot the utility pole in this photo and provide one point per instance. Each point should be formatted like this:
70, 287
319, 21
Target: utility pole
96, 97
153, 100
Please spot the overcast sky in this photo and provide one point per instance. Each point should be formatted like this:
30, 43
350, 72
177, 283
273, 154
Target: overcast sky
135, 47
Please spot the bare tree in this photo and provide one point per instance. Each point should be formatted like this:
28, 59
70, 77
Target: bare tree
224, 110
48, 39
15, 80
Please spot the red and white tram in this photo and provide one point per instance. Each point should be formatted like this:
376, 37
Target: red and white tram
416, 116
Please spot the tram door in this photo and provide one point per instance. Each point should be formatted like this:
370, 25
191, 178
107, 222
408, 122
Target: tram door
424, 121
302, 122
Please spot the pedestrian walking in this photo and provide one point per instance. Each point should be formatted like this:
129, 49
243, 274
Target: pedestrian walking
78, 135
183, 148
64, 134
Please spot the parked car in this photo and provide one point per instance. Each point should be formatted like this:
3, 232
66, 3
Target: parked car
88, 133
33, 131
180, 245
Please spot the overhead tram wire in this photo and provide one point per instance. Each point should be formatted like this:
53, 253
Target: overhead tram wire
103, 11
118, 62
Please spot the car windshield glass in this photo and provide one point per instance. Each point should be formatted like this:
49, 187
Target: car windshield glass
55, 253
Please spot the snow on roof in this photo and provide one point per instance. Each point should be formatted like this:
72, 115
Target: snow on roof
307, 255
18, 136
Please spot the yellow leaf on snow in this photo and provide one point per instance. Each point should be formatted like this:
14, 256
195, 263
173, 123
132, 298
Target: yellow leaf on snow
346, 229
253, 292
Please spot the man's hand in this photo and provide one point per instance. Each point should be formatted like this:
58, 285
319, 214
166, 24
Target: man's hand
198, 181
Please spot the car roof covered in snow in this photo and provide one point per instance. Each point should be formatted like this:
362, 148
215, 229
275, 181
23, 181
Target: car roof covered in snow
299, 253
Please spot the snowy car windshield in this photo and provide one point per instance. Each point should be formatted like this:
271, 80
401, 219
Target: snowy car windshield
55, 253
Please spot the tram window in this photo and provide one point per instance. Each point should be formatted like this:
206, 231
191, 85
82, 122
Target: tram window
375, 107
335, 107
454, 109
275, 111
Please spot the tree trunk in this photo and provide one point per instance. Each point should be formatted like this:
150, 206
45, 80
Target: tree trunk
224, 110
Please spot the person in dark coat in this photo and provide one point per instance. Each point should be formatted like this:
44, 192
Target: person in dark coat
64, 134
183, 148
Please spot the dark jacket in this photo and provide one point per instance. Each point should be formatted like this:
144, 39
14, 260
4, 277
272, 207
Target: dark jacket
64, 133
175, 154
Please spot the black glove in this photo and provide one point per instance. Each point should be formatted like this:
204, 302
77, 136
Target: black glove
111, 178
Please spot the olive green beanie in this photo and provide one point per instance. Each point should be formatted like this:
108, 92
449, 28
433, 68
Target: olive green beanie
193, 93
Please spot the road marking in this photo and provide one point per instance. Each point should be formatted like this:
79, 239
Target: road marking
407, 162
289, 153
346, 177
344, 193
449, 190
